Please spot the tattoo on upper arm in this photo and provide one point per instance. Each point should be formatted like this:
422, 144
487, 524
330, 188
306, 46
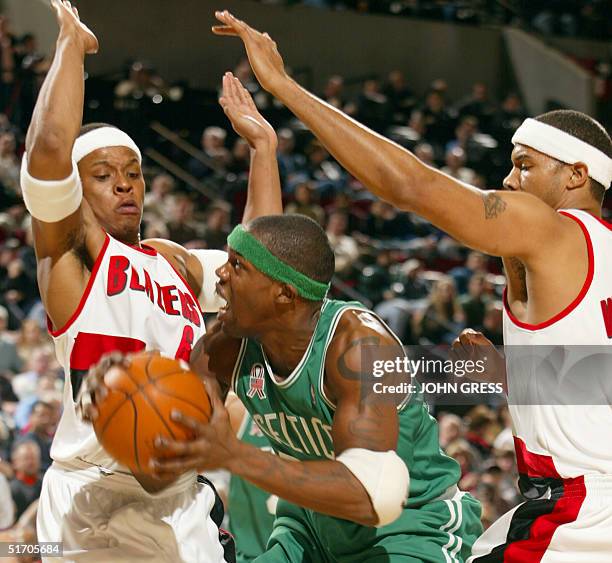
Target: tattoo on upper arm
494, 205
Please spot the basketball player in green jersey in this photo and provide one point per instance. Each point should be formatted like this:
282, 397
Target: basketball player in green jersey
360, 478
251, 509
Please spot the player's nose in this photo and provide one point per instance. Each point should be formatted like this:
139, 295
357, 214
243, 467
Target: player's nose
123, 185
511, 180
222, 272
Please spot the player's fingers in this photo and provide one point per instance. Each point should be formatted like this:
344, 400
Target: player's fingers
224, 30
242, 92
166, 446
169, 467
187, 421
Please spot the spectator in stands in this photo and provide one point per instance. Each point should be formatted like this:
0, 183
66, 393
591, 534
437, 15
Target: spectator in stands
19, 289
507, 119
478, 105
450, 429
374, 280
400, 97
345, 248
217, 225
425, 153
241, 158
40, 429
290, 162
371, 107
217, 155
181, 224
10, 362
438, 120
385, 222
25, 384
481, 427
474, 304
31, 338
461, 451
305, 203
476, 262
455, 166
9, 165
328, 177
333, 93
492, 324
155, 202
442, 319
7, 506
26, 485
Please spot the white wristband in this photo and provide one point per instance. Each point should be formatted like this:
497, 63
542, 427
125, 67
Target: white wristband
51, 200
384, 476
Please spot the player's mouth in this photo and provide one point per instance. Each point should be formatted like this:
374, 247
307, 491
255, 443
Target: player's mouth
128, 207
225, 308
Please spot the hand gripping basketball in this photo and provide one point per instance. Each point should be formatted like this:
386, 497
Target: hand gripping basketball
134, 399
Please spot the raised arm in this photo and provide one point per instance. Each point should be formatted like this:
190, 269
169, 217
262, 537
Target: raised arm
364, 434
264, 191
51, 186
503, 224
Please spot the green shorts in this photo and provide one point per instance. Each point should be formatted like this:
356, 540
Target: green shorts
441, 531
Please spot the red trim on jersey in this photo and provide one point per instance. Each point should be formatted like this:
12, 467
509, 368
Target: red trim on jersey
144, 248
197, 302
575, 302
534, 465
541, 532
92, 277
89, 348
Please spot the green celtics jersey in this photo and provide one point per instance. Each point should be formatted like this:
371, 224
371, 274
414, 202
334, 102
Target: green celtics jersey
251, 509
297, 417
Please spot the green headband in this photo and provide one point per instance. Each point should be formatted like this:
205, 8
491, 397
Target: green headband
255, 252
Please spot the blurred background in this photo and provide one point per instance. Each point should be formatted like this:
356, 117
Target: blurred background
449, 80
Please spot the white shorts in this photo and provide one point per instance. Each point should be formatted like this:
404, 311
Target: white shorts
573, 526
113, 519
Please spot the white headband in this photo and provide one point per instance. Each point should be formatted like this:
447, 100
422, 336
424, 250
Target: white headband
564, 147
100, 139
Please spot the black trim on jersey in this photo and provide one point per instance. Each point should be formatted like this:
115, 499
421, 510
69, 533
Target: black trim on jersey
217, 513
76, 380
520, 526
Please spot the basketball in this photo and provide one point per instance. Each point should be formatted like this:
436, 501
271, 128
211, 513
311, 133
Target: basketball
140, 400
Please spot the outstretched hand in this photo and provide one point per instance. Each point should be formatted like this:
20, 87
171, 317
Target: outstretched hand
70, 23
246, 120
263, 55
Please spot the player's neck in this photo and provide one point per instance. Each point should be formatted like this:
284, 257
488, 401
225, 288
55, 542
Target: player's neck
286, 343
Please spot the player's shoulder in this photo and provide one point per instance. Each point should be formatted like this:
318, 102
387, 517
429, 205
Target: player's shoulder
357, 328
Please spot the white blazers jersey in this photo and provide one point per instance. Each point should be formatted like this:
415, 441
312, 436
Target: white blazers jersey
135, 300
563, 440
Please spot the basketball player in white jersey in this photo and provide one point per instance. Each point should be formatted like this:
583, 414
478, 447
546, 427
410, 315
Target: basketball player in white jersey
105, 291
557, 251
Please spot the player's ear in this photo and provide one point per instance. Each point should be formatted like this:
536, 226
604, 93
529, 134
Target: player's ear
579, 176
286, 294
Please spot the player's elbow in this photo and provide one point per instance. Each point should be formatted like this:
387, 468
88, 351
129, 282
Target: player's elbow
49, 152
363, 513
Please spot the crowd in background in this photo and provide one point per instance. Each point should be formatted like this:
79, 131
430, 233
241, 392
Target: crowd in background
589, 18
425, 285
